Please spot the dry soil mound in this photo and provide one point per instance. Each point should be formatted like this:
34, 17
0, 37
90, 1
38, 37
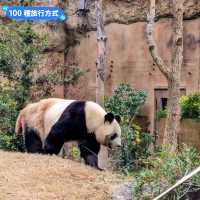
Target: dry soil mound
38, 177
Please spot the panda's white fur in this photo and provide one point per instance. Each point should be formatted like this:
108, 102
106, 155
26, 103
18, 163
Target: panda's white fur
33, 116
44, 114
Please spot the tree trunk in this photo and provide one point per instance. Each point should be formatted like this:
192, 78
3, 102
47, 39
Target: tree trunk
66, 63
173, 72
100, 71
101, 53
174, 80
173, 114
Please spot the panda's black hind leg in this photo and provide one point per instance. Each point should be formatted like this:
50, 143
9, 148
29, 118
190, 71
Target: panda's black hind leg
33, 142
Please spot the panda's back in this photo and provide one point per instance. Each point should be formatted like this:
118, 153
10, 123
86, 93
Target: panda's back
53, 113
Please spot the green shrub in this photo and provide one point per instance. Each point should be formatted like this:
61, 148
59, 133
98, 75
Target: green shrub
19, 51
44, 85
11, 142
190, 106
134, 149
162, 114
9, 111
163, 169
125, 102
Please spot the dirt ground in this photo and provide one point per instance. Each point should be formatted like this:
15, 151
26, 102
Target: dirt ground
37, 177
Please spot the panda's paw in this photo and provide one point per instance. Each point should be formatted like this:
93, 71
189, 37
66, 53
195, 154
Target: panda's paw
100, 169
92, 161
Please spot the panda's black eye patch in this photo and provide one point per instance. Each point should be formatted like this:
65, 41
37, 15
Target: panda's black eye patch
113, 136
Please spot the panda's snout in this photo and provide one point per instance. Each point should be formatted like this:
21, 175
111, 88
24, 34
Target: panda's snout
113, 140
118, 145
116, 142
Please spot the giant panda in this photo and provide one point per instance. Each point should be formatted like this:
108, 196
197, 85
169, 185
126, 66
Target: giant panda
46, 125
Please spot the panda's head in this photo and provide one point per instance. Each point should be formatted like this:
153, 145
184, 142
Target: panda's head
104, 125
109, 132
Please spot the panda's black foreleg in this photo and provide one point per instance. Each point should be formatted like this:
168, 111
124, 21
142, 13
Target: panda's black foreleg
89, 149
89, 158
33, 142
52, 147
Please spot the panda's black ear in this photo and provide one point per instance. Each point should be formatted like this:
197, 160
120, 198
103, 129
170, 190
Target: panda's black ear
117, 117
109, 117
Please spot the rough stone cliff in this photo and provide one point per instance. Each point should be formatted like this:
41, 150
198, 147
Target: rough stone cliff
128, 58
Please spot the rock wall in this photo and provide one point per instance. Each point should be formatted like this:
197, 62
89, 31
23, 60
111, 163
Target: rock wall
128, 11
189, 132
128, 58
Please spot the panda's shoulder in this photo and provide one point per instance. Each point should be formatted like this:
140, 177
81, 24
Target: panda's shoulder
58, 106
91, 106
